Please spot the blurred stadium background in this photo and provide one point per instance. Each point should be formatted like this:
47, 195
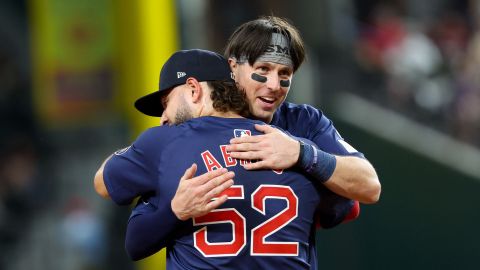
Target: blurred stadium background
401, 80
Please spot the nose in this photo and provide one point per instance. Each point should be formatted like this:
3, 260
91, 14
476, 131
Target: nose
273, 82
164, 119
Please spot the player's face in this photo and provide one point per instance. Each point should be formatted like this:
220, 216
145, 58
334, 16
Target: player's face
176, 109
267, 91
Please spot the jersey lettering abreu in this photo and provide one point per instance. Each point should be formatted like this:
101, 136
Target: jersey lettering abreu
267, 222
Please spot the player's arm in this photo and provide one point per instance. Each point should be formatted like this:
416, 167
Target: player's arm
99, 183
131, 171
125, 175
331, 213
212, 182
150, 229
349, 176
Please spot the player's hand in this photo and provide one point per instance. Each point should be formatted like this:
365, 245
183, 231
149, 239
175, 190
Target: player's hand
272, 150
194, 194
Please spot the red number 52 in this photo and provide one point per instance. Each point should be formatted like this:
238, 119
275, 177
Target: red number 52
259, 246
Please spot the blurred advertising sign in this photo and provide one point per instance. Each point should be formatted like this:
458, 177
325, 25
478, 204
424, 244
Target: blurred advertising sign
72, 51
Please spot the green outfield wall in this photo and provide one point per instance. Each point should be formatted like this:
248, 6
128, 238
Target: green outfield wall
428, 216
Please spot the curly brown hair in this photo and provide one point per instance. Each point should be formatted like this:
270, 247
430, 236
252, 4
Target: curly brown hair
226, 97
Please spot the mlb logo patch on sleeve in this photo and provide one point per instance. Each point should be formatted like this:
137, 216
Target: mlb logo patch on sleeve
241, 132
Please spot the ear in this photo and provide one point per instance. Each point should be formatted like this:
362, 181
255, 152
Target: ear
195, 91
232, 62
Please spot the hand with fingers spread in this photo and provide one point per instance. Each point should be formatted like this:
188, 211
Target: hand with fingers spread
272, 150
194, 195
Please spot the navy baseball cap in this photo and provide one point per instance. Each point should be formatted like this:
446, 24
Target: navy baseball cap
200, 64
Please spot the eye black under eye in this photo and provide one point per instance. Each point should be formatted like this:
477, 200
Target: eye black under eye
259, 78
284, 83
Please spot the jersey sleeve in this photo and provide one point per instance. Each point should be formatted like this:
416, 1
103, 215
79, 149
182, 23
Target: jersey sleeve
329, 139
305, 121
308, 122
334, 209
132, 172
149, 229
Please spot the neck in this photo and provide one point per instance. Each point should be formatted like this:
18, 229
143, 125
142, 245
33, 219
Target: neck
265, 120
226, 114
210, 111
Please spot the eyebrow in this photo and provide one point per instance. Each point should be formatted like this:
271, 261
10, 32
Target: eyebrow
271, 64
164, 100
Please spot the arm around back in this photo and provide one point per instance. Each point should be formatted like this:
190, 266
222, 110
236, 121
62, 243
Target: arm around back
349, 176
149, 229
355, 178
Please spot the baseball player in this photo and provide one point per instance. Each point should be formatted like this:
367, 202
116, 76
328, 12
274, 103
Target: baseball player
264, 219
263, 55
265, 74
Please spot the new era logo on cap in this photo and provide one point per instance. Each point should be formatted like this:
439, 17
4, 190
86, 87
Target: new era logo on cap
181, 74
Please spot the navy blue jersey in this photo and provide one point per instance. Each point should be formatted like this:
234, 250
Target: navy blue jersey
305, 121
267, 222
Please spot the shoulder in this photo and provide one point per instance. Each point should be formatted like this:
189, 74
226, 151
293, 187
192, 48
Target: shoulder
293, 107
159, 133
300, 119
289, 111
157, 138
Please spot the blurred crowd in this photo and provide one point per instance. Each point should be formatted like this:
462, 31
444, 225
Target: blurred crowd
419, 58
19, 162
426, 68
41, 226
